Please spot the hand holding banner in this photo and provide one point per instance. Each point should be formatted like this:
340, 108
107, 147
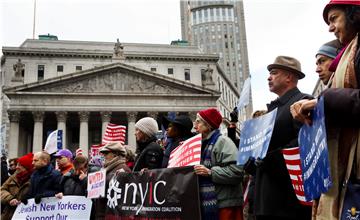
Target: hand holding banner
314, 155
255, 137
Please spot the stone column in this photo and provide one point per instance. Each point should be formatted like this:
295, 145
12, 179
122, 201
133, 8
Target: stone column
131, 116
84, 132
38, 131
105, 119
61, 125
13, 146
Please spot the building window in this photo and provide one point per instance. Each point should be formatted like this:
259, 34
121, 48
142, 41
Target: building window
226, 45
60, 68
153, 69
41, 71
170, 71
78, 68
203, 78
187, 74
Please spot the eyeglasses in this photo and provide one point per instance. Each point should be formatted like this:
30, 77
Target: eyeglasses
198, 121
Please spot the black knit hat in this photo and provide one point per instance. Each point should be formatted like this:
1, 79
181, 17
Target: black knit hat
181, 121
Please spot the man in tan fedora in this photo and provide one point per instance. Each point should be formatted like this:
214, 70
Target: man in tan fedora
274, 194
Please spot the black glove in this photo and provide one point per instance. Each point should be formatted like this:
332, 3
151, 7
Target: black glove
259, 162
37, 199
250, 166
25, 201
234, 115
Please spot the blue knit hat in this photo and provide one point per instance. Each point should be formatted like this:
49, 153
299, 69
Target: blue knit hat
330, 49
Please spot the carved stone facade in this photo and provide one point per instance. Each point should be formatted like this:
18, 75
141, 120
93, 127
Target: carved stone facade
82, 103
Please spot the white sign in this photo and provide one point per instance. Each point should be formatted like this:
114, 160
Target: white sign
96, 184
51, 208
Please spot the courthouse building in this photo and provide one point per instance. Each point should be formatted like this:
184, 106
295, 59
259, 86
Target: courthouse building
80, 86
218, 27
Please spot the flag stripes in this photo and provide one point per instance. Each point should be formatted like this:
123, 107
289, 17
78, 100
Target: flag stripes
293, 165
186, 154
114, 133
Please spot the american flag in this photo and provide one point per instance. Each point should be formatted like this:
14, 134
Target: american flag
114, 133
186, 154
78, 152
293, 165
246, 186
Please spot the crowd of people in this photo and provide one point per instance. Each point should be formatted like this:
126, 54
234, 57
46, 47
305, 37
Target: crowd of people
221, 180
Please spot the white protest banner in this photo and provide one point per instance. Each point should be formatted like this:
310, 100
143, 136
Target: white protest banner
187, 154
244, 99
54, 142
96, 184
51, 208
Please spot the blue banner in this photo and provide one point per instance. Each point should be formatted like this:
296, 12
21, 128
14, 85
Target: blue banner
255, 137
60, 139
314, 155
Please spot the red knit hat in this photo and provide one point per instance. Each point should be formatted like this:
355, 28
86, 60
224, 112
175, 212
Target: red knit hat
212, 116
26, 161
333, 3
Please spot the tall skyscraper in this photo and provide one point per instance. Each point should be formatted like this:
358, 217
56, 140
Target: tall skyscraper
219, 27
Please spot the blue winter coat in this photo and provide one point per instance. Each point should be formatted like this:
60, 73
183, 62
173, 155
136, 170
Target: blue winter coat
45, 182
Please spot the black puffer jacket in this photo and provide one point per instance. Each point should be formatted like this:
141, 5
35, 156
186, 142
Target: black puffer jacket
72, 185
150, 155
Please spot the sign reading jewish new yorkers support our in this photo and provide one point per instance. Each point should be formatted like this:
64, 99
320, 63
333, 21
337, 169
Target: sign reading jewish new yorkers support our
171, 193
96, 184
51, 208
314, 155
255, 137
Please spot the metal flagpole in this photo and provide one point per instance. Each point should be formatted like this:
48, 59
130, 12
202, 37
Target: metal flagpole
34, 19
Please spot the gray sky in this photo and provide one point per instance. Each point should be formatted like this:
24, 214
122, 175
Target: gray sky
274, 27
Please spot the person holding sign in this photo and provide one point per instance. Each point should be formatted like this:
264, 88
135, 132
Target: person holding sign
178, 130
45, 182
15, 188
115, 161
149, 153
220, 178
341, 104
274, 195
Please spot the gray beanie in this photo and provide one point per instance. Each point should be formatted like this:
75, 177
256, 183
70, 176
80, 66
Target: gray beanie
330, 49
148, 126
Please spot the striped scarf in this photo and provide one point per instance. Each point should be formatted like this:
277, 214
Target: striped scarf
209, 207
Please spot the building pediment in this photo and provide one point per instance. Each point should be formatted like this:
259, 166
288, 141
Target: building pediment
116, 78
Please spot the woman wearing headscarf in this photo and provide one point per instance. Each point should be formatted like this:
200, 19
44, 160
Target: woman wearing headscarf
177, 130
341, 103
220, 178
14, 190
149, 153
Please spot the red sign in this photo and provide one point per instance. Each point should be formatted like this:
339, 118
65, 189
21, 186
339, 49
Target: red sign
186, 154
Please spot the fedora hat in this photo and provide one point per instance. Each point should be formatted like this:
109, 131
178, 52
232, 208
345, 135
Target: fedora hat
287, 63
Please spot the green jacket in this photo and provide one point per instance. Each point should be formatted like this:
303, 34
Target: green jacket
225, 174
